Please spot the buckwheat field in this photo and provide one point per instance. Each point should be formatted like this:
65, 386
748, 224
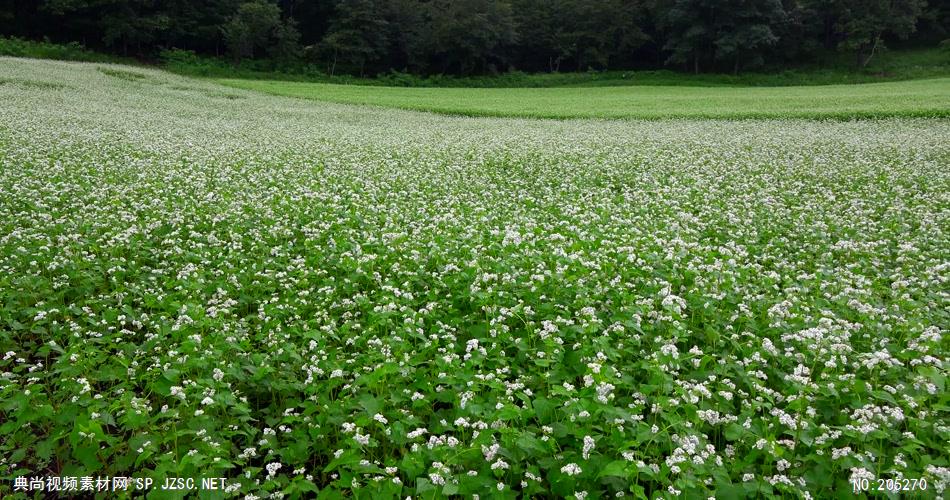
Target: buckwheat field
348, 301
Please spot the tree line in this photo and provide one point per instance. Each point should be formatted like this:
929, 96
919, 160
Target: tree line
468, 37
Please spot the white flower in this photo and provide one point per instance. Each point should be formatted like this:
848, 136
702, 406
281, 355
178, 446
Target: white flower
178, 392
571, 469
588, 446
416, 433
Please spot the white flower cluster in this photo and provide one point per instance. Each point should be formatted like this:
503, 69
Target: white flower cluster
459, 306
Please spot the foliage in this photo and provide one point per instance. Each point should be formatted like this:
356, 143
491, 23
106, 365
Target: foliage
18, 47
734, 31
744, 36
471, 36
833, 68
829, 69
358, 34
863, 23
478, 37
257, 27
591, 34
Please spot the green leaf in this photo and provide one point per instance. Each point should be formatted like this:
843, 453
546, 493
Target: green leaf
616, 468
423, 485
87, 455
347, 458
733, 432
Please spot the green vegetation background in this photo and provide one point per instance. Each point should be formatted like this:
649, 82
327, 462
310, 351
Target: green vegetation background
830, 69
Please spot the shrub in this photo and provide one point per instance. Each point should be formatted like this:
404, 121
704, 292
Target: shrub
72, 51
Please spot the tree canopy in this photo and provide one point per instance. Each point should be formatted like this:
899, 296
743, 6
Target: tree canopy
485, 36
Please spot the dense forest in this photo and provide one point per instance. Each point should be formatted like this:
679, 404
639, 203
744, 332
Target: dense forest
468, 37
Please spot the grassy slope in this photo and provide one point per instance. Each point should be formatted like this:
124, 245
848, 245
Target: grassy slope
923, 98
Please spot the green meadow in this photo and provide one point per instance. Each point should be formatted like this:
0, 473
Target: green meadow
915, 98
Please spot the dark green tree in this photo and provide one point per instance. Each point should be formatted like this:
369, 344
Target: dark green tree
358, 34
689, 27
745, 29
800, 33
285, 45
198, 26
580, 33
470, 36
607, 31
257, 27
862, 25
117, 24
407, 28
934, 23
485, 36
700, 32
135, 23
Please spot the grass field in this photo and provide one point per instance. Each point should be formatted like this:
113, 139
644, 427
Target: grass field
916, 98
310, 298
